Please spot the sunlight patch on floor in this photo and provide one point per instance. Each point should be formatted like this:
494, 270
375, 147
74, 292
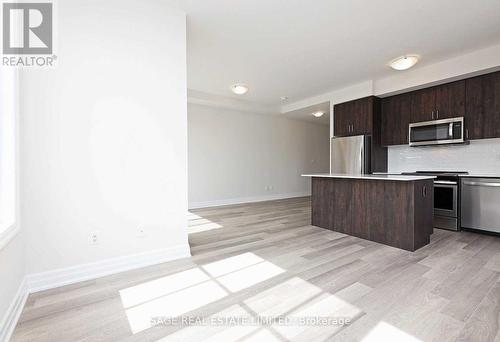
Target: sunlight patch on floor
308, 302
197, 224
173, 305
319, 311
193, 216
203, 227
153, 289
386, 332
277, 301
235, 263
309, 314
180, 293
252, 275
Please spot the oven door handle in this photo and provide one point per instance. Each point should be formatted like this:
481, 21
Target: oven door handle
446, 182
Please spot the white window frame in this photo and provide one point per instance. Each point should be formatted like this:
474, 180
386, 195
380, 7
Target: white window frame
9, 156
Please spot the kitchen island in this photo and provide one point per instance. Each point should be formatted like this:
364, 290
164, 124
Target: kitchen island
393, 210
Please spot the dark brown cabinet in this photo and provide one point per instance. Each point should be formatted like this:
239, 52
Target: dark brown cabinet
476, 99
423, 104
342, 119
362, 122
362, 117
482, 114
450, 100
435, 103
396, 112
355, 117
441, 102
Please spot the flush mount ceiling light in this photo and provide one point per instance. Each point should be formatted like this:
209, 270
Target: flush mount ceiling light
404, 62
239, 88
318, 114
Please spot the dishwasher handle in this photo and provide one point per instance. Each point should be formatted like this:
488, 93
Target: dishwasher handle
486, 184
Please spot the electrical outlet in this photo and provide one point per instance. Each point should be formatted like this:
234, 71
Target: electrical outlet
141, 232
271, 187
95, 237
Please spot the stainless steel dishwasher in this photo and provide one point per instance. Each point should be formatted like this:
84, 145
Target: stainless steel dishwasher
481, 204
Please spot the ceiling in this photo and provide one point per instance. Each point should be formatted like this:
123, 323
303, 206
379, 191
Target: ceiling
301, 48
305, 114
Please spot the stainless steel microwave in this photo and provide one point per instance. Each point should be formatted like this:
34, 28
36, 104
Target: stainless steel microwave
437, 132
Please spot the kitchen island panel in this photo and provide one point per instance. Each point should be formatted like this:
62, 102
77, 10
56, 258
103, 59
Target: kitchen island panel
394, 213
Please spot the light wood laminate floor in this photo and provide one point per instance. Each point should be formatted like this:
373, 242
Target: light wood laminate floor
265, 260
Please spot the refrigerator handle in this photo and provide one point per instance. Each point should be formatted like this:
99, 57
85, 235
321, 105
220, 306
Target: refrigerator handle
362, 156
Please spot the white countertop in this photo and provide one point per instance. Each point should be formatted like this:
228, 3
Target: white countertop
374, 177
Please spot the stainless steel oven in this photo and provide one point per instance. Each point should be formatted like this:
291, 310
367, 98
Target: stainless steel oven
446, 204
437, 132
446, 198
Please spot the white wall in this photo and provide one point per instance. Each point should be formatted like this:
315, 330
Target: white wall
8, 150
480, 157
12, 239
12, 271
104, 143
234, 156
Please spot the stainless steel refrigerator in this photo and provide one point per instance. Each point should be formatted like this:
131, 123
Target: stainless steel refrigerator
351, 155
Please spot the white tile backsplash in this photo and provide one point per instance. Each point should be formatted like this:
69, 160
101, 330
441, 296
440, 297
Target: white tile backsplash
479, 157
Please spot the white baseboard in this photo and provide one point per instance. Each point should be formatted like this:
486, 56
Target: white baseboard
241, 200
74, 274
9, 321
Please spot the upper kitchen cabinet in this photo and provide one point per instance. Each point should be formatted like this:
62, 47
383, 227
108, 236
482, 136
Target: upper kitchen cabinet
342, 118
441, 102
355, 117
482, 114
450, 100
396, 111
423, 105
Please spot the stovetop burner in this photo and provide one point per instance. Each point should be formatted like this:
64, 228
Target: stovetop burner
444, 172
438, 173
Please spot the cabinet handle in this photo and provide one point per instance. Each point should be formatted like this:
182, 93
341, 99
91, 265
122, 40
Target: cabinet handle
437, 114
432, 113
467, 133
424, 191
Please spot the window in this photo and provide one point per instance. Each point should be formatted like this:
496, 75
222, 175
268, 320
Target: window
8, 155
